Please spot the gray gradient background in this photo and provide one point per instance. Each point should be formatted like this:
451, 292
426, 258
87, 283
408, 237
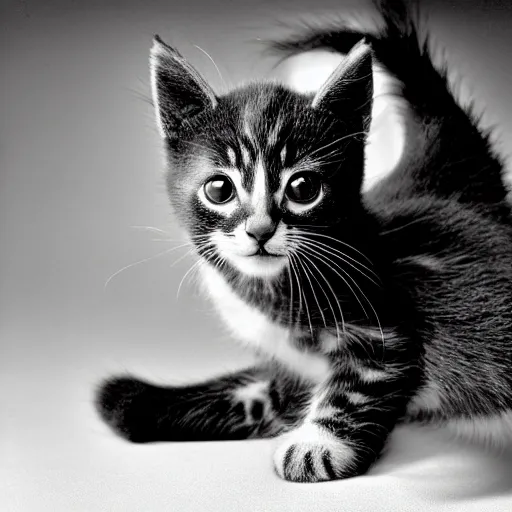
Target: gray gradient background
80, 162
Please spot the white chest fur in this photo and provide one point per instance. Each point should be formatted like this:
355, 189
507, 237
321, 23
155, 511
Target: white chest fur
251, 326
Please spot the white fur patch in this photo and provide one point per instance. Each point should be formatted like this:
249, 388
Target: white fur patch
356, 398
247, 125
274, 134
240, 249
283, 154
232, 156
252, 391
372, 375
312, 438
494, 431
331, 342
247, 395
253, 327
428, 399
258, 266
259, 191
246, 158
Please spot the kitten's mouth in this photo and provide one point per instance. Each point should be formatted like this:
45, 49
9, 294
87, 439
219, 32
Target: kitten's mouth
260, 263
262, 252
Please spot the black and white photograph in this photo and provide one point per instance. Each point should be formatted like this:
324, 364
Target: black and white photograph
256, 256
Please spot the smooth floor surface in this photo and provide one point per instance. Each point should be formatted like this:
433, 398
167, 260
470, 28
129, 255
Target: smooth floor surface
82, 197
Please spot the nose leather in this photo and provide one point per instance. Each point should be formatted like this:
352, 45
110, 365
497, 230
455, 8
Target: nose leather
261, 229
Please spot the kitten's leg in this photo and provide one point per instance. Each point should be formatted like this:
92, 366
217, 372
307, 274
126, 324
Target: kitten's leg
255, 402
345, 428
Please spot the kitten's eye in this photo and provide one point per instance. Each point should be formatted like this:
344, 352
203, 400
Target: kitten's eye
303, 187
219, 189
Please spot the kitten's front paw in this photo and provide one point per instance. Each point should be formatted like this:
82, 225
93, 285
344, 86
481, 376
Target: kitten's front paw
310, 454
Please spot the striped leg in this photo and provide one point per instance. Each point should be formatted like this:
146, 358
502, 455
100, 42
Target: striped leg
345, 428
254, 402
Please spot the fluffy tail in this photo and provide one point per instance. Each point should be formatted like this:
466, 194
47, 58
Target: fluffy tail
445, 152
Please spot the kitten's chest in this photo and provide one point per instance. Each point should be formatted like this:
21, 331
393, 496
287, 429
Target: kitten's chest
251, 326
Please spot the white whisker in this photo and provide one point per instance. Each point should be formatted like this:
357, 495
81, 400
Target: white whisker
341, 255
291, 319
341, 242
403, 226
150, 228
328, 262
305, 267
334, 142
213, 62
194, 266
292, 256
167, 251
328, 300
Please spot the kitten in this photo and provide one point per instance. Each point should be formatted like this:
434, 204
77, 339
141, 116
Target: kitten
367, 310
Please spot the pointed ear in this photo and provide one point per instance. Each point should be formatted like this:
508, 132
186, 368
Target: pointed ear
179, 91
349, 90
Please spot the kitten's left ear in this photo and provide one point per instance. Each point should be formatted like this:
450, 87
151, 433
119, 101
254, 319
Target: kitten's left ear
349, 89
179, 91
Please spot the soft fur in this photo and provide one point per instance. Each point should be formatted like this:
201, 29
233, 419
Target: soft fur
366, 310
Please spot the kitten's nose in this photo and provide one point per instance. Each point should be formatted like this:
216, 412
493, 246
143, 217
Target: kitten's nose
260, 229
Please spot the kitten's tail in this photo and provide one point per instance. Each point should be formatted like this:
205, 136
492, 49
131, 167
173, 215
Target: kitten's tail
445, 152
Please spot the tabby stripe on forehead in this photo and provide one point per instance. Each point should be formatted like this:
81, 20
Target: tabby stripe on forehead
283, 155
246, 155
247, 126
231, 156
273, 136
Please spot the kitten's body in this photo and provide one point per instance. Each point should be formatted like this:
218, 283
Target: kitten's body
366, 310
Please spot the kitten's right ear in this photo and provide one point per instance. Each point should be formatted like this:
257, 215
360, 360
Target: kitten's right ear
179, 91
349, 89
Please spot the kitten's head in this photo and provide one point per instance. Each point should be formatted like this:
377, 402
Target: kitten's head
251, 170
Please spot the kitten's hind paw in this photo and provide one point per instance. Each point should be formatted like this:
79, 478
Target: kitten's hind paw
233, 407
127, 405
308, 454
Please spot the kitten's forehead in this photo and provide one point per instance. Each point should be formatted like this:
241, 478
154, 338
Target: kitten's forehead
263, 136
260, 136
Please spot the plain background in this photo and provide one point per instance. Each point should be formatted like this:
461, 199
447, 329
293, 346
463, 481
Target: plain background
80, 164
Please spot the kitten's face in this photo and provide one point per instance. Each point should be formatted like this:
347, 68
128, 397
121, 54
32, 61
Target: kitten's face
249, 171
259, 166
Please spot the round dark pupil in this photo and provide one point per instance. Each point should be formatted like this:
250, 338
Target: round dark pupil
219, 190
302, 189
